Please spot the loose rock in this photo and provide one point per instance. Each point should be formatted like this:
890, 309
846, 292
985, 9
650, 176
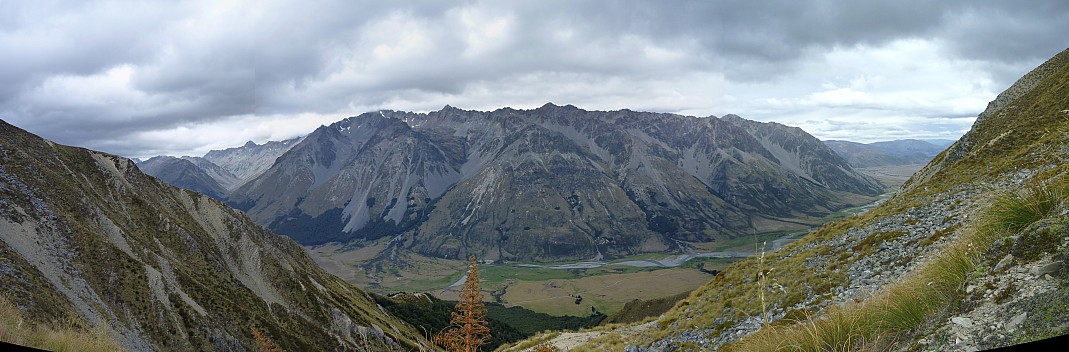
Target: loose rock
1047, 269
1004, 263
1017, 320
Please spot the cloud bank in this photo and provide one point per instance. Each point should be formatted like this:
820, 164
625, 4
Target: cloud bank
146, 78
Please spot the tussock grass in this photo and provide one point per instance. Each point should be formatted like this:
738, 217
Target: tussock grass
15, 329
546, 347
1014, 211
921, 296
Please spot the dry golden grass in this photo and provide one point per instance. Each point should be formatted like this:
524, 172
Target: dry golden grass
608, 293
16, 330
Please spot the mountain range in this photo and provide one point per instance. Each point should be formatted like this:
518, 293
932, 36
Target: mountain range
87, 239
553, 183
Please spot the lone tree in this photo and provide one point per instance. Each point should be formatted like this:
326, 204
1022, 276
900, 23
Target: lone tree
468, 328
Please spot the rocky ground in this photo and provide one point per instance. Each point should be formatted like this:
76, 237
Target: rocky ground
1015, 299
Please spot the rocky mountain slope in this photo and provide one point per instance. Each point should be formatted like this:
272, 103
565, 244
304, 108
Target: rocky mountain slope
552, 183
897, 152
88, 239
971, 254
183, 173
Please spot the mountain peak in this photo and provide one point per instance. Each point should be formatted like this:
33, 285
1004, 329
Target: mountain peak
550, 106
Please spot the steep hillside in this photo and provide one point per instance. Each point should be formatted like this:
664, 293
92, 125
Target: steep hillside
971, 254
898, 152
552, 183
87, 239
183, 173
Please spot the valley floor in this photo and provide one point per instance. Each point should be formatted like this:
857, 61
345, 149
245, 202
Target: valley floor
891, 176
605, 286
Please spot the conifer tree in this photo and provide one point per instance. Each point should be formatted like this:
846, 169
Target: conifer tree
468, 328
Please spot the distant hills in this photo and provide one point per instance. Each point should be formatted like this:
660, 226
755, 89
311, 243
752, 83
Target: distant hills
897, 152
250, 160
219, 171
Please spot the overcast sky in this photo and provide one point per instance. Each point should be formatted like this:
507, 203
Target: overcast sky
143, 78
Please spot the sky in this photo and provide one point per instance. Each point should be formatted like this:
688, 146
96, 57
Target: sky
145, 78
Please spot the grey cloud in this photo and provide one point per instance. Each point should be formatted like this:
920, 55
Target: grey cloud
48, 38
1008, 31
284, 57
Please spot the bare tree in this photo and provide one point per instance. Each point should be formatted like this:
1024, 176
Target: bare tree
468, 328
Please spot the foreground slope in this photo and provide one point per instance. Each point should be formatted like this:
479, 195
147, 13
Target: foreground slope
553, 183
85, 237
937, 267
